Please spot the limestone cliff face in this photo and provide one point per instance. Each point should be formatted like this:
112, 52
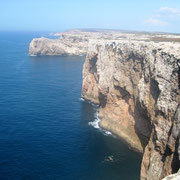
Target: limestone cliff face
66, 45
75, 42
136, 84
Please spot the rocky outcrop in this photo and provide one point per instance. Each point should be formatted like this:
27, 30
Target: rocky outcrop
136, 85
64, 46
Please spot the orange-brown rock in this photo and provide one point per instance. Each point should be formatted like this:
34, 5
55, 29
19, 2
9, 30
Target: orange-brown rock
136, 84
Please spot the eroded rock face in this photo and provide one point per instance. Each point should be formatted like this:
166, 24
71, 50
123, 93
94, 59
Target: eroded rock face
66, 45
136, 84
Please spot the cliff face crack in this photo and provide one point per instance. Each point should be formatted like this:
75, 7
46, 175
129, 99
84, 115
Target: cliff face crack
93, 68
176, 158
154, 89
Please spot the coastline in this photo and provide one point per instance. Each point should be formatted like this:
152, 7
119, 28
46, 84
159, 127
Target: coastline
130, 80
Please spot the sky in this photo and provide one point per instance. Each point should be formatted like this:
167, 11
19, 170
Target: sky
60, 15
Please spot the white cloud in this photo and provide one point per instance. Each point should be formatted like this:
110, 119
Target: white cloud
156, 22
164, 16
169, 11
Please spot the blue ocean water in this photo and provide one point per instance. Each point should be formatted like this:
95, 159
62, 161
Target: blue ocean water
44, 130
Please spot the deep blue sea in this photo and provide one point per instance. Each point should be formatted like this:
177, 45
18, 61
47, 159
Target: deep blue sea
45, 132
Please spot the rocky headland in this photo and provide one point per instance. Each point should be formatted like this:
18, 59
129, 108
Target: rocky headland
76, 42
136, 84
135, 79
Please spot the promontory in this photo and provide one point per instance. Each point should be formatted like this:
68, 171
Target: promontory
135, 79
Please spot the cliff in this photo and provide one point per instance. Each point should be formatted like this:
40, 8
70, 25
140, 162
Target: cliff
135, 79
64, 46
76, 42
136, 85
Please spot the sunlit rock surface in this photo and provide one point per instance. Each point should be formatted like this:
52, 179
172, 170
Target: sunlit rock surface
136, 84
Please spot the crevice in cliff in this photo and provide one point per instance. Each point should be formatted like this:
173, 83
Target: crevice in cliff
176, 135
154, 89
92, 62
176, 161
167, 152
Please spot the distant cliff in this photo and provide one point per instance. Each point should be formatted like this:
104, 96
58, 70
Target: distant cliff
76, 42
136, 84
64, 46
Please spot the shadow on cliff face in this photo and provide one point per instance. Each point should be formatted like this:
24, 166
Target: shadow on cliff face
154, 89
124, 93
176, 135
143, 126
176, 159
102, 99
92, 62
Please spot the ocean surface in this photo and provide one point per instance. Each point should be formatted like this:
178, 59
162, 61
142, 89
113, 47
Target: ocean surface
46, 129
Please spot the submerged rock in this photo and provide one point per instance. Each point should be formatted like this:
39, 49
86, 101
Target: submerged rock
109, 159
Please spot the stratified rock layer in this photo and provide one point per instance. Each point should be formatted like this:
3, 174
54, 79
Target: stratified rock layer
137, 84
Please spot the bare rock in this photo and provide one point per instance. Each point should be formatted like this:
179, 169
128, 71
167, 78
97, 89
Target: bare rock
175, 176
136, 85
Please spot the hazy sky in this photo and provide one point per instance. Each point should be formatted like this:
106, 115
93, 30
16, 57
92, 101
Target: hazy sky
58, 15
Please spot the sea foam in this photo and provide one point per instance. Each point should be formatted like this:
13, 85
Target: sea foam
95, 124
96, 121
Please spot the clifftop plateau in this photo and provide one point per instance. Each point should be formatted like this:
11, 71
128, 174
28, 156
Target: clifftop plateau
76, 42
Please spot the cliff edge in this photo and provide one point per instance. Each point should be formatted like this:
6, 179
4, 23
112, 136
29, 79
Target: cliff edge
137, 87
76, 42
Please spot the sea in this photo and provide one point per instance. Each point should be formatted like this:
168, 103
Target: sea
47, 131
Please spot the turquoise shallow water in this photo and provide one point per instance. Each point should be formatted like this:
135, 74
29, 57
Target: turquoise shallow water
44, 131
